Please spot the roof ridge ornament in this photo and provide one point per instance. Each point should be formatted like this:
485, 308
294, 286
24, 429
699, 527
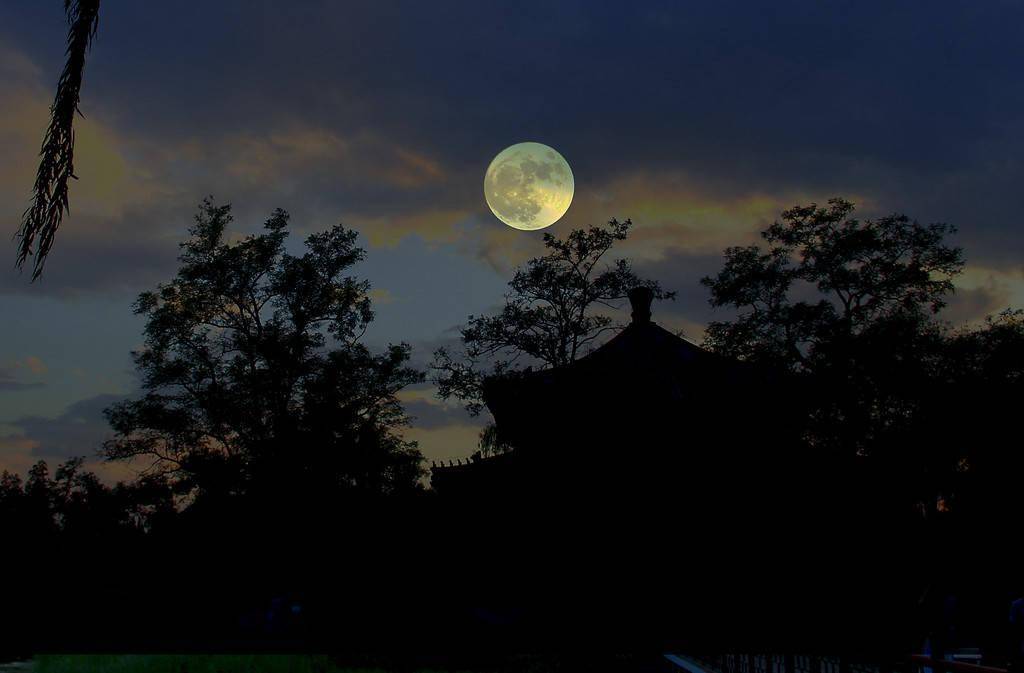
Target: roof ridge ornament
640, 299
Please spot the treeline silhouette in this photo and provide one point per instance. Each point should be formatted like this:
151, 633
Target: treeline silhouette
843, 459
75, 504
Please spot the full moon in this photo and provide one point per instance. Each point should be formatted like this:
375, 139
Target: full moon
528, 186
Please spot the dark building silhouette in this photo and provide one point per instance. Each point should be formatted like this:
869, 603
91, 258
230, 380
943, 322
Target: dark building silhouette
647, 416
657, 489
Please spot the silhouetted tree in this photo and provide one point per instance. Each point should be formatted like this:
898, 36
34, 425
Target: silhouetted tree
848, 301
87, 508
854, 275
38, 511
21, 518
960, 434
556, 310
890, 390
56, 165
244, 394
992, 354
74, 503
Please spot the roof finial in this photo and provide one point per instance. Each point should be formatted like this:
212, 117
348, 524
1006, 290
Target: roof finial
640, 299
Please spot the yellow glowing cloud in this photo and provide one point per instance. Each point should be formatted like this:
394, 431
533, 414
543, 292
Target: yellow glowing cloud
16, 454
106, 183
380, 295
300, 151
670, 213
414, 170
120, 172
448, 442
258, 159
438, 226
981, 291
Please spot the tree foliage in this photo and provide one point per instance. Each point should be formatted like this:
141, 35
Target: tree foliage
56, 164
825, 279
851, 307
849, 302
255, 376
556, 310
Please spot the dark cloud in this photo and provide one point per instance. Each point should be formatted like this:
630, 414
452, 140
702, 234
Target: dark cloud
130, 252
10, 381
918, 109
972, 305
79, 431
681, 272
710, 86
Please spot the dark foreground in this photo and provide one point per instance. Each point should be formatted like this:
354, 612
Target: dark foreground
423, 576
320, 663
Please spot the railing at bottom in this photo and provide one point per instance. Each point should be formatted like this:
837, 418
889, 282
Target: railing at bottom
921, 662
790, 663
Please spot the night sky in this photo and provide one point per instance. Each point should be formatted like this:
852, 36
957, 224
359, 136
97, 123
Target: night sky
700, 121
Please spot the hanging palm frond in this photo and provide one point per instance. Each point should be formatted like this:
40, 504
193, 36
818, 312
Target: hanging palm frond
56, 165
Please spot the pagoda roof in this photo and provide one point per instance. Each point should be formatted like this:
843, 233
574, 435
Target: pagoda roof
643, 353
